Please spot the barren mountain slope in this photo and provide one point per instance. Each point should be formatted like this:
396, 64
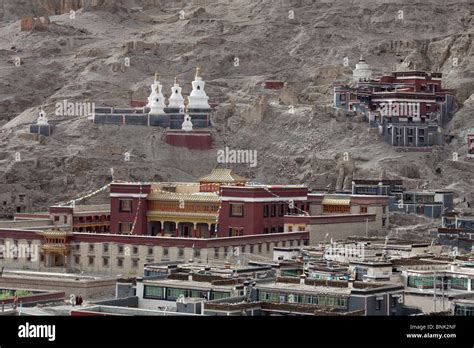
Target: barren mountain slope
77, 59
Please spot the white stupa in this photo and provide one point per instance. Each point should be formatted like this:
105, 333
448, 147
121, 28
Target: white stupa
156, 100
362, 71
187, 124
198, 98
42, 119
176, 99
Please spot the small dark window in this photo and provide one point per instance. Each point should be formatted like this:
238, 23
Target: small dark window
274, 208
378, 305
237, 210
125, 205
265, 211
120, 262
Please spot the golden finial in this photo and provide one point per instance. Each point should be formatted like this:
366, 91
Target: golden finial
198, 71
175, 80
157, 76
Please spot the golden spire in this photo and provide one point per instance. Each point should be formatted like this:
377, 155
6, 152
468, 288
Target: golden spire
198, 71
157, 76
175, 80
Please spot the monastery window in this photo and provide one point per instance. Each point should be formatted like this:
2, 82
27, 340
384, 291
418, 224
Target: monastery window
237, 210
150, 251
290, 228
363, 209
105, 261
91, 248
251, 249
135, 250
336, 209
125, 205
282, 210
265, 230
280, 229
125, 227
105, 248
268, 247
216, 253
91, 260
284, 243
265, 210
236, 231
260, 248
120, 249
77, 259
56, 218
134, 263
197, 252
272, 230
274, 208
181, 252
120, 262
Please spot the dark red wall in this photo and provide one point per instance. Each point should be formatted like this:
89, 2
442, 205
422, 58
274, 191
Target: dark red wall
253, 221
116, 216
195, 140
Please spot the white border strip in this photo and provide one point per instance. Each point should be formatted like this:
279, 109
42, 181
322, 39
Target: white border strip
263, 199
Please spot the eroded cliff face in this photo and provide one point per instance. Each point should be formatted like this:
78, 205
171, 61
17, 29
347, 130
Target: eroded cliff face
301, 42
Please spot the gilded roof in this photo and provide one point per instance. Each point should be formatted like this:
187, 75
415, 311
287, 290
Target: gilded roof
56, 233
222, 175
336, 201
205, 197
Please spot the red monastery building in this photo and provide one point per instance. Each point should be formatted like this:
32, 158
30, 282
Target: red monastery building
208, 221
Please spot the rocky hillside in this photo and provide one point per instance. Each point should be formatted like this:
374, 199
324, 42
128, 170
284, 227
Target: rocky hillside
298, 135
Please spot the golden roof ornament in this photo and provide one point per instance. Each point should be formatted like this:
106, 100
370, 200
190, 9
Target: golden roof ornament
198, 71
157, 76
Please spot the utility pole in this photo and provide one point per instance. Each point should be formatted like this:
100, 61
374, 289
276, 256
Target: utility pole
434, 292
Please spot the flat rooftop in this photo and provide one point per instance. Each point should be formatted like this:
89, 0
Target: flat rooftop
188, 284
